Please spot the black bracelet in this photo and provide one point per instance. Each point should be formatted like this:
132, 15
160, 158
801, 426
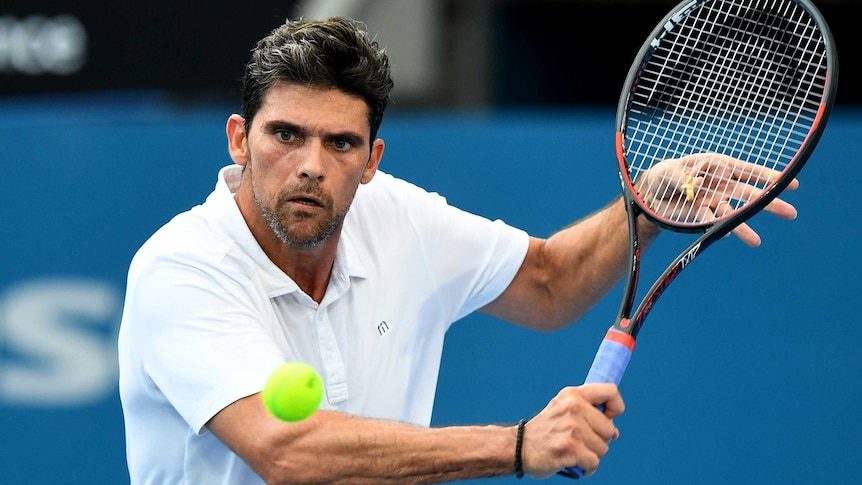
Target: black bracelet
519, 470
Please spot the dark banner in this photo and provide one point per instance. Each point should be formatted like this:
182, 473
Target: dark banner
539, 51
549, 55
93, 46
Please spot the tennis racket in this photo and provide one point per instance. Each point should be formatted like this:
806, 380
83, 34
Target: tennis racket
722, 107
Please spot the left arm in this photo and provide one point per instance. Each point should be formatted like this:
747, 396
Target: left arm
562, 277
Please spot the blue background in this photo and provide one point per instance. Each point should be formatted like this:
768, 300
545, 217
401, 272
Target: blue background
746, 371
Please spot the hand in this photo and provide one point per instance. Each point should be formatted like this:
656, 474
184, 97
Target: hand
571, 430
704, 187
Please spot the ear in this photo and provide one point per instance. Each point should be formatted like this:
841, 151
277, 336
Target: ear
373, 160
237, 142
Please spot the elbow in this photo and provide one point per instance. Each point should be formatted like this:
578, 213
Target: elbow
554, 322
280, 463
289, 472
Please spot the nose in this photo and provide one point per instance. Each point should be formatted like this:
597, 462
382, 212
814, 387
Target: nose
312, 161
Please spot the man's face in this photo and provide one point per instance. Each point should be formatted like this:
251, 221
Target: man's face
306, 153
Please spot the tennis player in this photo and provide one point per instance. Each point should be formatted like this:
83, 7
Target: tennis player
306, 251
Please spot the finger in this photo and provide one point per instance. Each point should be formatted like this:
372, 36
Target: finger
596, 447
756, 174
733, 190
747, 235
753, 174
664, 180
601, 421
746, 172
589, 463
605, 394
743, 231
705, 213
781, 209
727, 172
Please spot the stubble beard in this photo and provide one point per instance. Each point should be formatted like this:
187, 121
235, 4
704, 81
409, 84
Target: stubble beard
279, 216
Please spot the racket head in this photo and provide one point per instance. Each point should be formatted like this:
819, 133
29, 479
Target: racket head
719, 81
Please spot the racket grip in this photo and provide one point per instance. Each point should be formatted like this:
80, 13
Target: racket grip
612, 358
609, 365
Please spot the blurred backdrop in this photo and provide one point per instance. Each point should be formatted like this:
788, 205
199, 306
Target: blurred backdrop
446, 53
112, 120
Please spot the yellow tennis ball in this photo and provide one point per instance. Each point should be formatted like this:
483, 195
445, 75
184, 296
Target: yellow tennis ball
293, 391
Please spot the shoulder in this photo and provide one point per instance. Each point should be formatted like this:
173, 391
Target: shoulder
189, 239
396, 197
385, 185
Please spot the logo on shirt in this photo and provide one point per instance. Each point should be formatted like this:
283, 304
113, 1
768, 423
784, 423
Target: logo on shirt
382, 327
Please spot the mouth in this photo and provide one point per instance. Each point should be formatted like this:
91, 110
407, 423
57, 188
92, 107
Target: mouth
305, 197
306, 201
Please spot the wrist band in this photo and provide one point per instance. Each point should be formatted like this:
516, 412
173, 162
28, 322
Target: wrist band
519, 441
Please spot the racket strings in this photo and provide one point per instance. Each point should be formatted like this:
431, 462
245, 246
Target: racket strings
696, 97
714, 87
743, 79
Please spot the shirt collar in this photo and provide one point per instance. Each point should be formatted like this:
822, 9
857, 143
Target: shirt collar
347, 264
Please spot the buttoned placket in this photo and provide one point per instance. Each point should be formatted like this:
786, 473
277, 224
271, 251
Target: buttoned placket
336, 375
333, 361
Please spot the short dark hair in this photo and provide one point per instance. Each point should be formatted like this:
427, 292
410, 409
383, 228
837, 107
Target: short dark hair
333, 53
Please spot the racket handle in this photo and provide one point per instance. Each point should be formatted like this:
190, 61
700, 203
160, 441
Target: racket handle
609, 365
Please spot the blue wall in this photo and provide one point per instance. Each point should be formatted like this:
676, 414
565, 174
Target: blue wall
751, 376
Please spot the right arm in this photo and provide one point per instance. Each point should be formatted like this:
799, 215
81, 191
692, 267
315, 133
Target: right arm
334, 447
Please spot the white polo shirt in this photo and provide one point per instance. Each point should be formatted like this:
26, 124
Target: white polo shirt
208, 316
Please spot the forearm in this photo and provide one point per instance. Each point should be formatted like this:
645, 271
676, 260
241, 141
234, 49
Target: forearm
333, 447
358, 450
585, 260
568, 273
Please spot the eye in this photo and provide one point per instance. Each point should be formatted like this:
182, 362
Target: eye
342, 145
286, 135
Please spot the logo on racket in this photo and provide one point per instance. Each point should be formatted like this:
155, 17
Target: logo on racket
684, 261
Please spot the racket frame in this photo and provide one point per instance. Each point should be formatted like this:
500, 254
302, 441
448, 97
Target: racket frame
712, 230
619, 342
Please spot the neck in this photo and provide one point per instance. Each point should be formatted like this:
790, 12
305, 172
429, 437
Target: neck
310, 268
